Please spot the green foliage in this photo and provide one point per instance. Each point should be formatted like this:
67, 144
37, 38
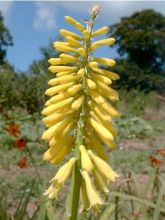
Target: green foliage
140, 40
5, 40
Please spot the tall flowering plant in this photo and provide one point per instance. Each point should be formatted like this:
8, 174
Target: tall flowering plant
78, 116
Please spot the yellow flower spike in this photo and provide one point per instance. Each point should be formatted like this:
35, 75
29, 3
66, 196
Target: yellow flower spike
100, 31
108, 41
66, 33
52, 131
103, 167
100, 183
78, 115
85, 160
93, 196
54, 90
63, 173
106, 61
55, 69
77, 103
101, 130
72, 42
75, 23
91, 84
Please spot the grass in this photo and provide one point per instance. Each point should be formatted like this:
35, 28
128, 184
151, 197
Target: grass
141, 131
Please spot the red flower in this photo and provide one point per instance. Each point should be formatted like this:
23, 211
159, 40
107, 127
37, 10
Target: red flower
161, 152
22, 163
13, 129
20, 143
155, 161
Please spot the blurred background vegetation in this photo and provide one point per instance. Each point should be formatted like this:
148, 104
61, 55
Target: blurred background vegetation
138, 194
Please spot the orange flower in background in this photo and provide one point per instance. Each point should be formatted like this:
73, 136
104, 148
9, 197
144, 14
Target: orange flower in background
161, 152
20, 143
155, 161
13, 129
22, 163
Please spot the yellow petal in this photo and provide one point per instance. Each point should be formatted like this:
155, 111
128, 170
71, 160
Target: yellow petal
101, 130
75, 23
106, 73
66, 33
91, 84
106, 61
77, 103
52, 91
108, 41
74, 89
72, 42
100, 31
93, 196
55, 69
63, 173
85, 160
102, 167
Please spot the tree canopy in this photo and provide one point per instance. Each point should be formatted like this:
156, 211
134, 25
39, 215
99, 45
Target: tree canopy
141, 46
5, 40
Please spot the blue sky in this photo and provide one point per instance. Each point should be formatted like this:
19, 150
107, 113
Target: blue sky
34, 24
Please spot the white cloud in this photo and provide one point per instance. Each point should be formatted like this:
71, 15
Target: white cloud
45, 16
5, 7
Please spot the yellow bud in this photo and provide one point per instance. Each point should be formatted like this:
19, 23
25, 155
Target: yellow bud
63, 73
65, 150
102, 167
95, 145
110, 109
106, 61
107, 91
66, 33
93, 64
106, 73
82, 52
100, 182
86, 35
63, 79
55, 69
72, 42
100, 31
52, 131
81, 71
77, 103
108, 41
75, 23
55, 61
101, 78
54, 107
54, 150
74, 89
91, 84
101, 130
58, 98
64, 48
85, 160
52, 91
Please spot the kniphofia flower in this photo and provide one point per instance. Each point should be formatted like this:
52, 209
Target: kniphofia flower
22, 163
78, 115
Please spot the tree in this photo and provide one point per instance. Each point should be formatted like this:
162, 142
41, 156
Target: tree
5, 40
141, 46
